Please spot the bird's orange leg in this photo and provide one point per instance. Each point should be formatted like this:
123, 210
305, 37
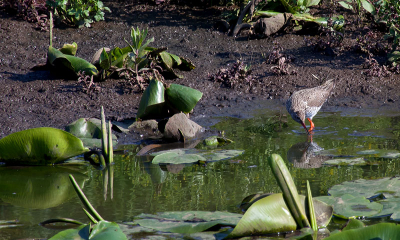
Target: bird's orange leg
311, 125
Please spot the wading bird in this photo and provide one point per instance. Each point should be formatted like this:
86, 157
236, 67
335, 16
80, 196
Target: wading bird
305, 104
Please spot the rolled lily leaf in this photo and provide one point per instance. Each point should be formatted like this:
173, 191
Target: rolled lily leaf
152, 100
289, 189
39, 146
270, 214
69, 49
85, 128
183, 98
75, 64
377, 231
103, 230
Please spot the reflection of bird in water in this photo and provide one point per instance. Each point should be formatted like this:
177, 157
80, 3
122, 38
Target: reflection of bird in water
305, 155
305, 104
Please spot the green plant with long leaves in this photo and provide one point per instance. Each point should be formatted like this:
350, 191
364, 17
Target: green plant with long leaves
78, 12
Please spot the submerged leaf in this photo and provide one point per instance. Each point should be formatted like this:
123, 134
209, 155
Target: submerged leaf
349, 206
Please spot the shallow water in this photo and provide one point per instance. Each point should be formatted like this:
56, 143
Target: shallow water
32, 195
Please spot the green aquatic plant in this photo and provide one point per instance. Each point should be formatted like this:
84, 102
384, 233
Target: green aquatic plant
40, 146
78, 12
99, 230
157, 100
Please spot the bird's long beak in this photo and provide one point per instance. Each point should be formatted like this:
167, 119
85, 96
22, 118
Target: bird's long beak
304, 126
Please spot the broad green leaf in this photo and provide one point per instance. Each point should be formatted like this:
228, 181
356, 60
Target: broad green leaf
85, 128
289, 190
75, 64
39, 146
183, 98
312, 3
388, 187
37, 187
186, 64
354, 224
152, 100
346, 5
69, 49
349, 206
377, 231
104, 60
167, 59
176, 59
103, 230
185, 155
82, 232
270, 214
369, 7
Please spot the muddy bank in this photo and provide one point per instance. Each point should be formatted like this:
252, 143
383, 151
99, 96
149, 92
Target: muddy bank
40, 98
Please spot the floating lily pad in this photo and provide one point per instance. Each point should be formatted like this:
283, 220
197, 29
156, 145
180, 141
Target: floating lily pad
346, 161
388, 187
349, 206
39, 146
377, 231
186, 222
103, 230
391, 207
178, 156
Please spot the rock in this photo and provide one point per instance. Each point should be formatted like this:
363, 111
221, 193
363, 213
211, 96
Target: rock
180, 127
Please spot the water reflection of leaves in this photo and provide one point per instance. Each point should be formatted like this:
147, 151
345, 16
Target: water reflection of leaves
37, 187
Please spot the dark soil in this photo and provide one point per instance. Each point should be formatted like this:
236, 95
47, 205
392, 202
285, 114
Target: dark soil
40, 98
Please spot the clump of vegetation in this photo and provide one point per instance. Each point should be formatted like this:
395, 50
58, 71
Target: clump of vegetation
77, 12
239, 73
34, 11
282, 61
88, 85
330, 37
370, 44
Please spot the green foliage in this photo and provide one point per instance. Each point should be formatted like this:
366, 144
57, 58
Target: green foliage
78, 12
39, 146
348, 4
140, 62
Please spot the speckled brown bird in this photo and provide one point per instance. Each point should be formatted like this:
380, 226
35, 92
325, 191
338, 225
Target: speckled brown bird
305, 104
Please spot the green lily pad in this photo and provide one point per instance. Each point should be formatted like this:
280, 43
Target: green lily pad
349, 206
187, 222
377, 231
103, 230
345, 161
388, 187
391, 207
39, 146
179, 156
